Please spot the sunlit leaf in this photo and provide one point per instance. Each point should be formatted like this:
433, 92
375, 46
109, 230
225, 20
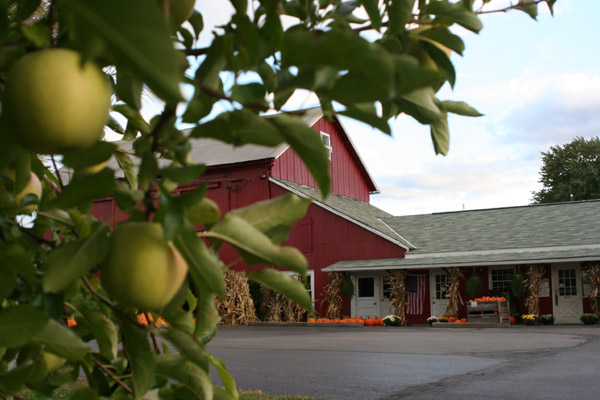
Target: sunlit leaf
74, 259
455, 12
205, 269
269, 216
309, 147
225, 376
254, 246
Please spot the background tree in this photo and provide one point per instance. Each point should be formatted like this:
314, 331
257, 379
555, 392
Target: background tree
56, 102
570, 172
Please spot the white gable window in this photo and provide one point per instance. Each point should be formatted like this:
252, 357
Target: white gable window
326, 139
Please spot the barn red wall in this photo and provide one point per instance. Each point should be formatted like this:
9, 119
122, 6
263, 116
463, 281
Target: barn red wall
346, 176
334, 239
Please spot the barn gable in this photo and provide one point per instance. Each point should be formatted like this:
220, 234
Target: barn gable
349, 175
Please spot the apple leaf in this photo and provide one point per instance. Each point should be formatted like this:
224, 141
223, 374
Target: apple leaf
14, 379
187, 373
188, 347
183, 174
137, 34
18, 324
225, 376
309, 147
99, 152
440, 135
284, 284
74, 259
275, 217
206, 314
104, 330
60, 340
205, 269
8, 281
459, 107
254, 246
126, 164
140, 357
85, 187
447, 12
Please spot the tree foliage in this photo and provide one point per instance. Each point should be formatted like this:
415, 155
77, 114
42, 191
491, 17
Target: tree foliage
570, 172
369, 60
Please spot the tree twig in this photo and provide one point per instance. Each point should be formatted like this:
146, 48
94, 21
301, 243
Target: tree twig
112, 375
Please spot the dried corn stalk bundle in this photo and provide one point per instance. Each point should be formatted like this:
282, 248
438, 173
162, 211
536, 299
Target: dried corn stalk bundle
272, 305
533, 285
397, 283
333, 295
292, 311
453, 292
238, 307
593, 273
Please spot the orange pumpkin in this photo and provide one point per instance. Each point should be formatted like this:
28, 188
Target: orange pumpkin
452, 319
513, 321
464, 320
370, 322
311, 320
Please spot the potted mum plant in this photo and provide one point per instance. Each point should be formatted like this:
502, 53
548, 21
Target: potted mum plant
589, 319
392, 320
431, 320
547, 319
529, 319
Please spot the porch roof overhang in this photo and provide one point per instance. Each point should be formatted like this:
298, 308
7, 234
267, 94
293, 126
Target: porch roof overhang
414, 260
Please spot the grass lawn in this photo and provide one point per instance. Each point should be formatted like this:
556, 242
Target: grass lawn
65, 393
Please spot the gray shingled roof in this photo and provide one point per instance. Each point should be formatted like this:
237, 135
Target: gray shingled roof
512, 235
213, 152
361, 213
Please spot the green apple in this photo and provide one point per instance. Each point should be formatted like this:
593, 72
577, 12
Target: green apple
45, 363
141, 269
34, 186
54, 103
180, 11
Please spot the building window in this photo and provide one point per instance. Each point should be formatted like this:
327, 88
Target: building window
387, 287
500, 279
567, 282
366, 287
441, 286
326, 139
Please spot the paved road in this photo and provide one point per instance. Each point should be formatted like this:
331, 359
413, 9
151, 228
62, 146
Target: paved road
547, 362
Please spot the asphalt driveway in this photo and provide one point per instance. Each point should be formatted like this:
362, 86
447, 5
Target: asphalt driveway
546, 362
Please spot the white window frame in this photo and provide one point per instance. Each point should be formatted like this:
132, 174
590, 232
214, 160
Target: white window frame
326, 139
310, 276
490, 283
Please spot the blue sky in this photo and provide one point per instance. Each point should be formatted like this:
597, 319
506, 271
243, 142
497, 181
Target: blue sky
538, 84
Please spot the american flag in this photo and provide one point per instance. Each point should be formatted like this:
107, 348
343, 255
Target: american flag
415, 296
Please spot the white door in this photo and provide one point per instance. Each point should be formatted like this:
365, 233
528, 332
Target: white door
567, 293
438, 281
367, 303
